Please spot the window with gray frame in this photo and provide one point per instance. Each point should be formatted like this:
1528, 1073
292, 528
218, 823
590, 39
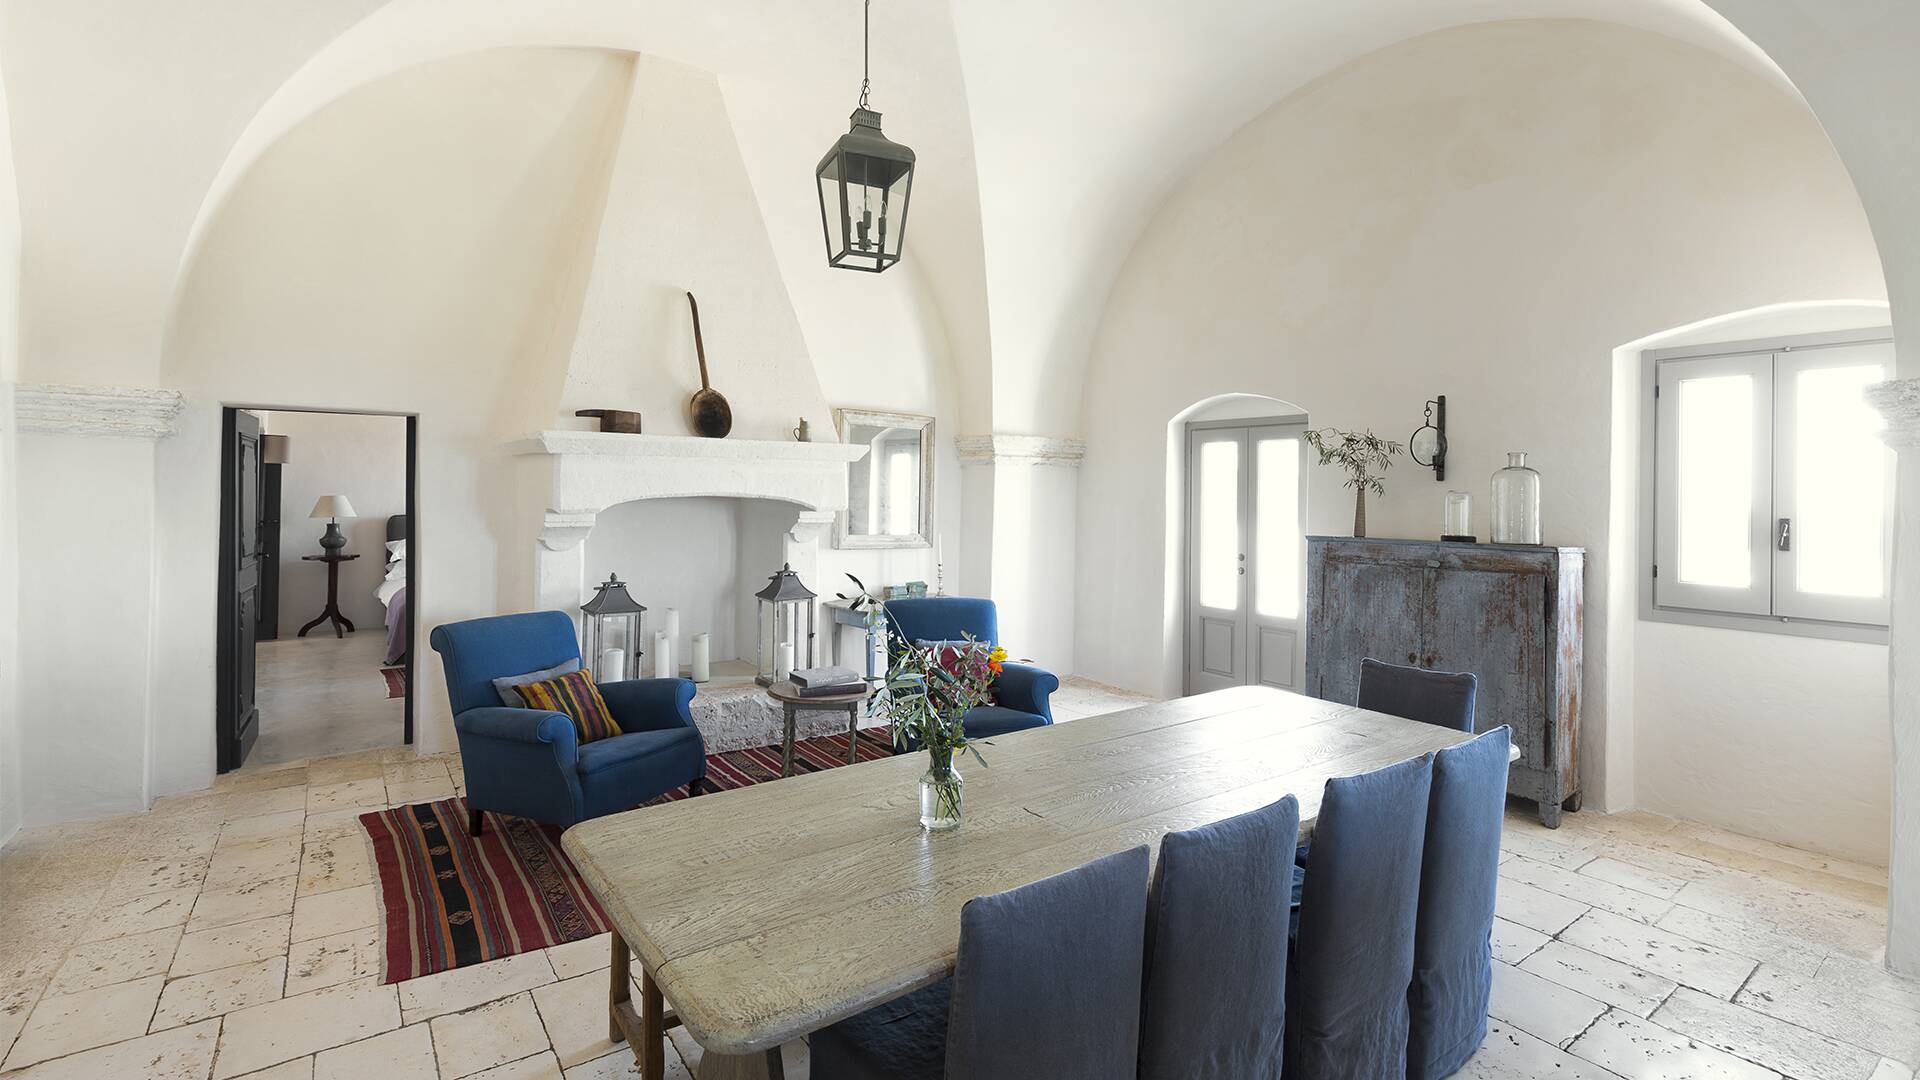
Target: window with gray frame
1771, 493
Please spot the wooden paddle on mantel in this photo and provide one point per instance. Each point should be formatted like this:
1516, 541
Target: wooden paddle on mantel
709, 412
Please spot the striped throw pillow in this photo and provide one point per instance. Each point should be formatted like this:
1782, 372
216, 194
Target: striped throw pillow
575, 695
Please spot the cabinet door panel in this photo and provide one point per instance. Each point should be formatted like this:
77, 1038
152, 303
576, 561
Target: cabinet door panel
1365, 609
1492, 625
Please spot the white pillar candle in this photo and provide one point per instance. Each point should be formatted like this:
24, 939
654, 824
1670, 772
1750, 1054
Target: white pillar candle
783, 667
701, 658
663, 656
673, 628
613, 665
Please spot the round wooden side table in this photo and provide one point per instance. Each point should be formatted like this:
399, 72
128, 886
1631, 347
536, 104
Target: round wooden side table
788, 695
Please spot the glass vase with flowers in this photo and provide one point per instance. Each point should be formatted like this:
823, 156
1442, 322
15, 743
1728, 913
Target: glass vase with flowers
925, 695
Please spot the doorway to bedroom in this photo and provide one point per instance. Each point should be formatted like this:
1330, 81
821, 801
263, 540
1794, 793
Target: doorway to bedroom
315, 628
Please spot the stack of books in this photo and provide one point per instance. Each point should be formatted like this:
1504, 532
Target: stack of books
827, 681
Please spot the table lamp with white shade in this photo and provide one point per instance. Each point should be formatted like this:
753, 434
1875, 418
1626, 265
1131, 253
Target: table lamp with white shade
333, 508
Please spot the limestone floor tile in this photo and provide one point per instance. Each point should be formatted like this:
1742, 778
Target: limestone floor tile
1662, 952
244, 902
1871, 978
103, 963
346, 794
180, 1054
236, 943
1892, 1070
294, 1027
1835, 1010
327, 913
419, 791
218, 992
139, 914
1632, 876
1776, 1044
403, 1054
1643, 1050
575, 1014
463, 988
277, 825
297, 1069
418, 770
1535, 908
487, 1035
580, 957
1600, 978
346, 767
1511, 1054
1540, 1007
538, 1067
1741, 936
333, 863
1513, 943
337, 825
139, 876
1840, 925
65, 1023
334, 959
620, 1065
258, 860
1777, 853
16, 1003
684, 1046
1590, 891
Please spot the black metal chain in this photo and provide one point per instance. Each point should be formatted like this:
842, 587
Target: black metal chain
866, 35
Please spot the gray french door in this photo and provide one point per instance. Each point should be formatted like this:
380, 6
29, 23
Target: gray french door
1246, 555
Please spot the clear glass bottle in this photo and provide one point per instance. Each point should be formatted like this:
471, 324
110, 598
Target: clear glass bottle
1515, 517
1458, 523
940, 795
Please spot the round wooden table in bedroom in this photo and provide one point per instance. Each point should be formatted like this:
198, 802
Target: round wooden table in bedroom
332, 613
788, 695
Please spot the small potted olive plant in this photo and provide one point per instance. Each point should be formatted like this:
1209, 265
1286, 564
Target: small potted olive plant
1366, 457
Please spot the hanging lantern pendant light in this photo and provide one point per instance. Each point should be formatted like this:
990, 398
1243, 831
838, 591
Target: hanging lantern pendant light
864, 181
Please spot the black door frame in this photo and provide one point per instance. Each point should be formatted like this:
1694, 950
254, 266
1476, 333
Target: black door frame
223, 662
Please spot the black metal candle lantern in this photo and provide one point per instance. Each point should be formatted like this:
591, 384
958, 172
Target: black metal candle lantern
615, 620
786, 634
1428, 444
865, 181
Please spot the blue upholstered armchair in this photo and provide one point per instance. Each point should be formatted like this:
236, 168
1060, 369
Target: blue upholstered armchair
1022, 689
527, 762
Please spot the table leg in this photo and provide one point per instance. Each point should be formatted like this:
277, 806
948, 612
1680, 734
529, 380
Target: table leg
653, 1056
853, 733
786, 744
619, 991
762, 1066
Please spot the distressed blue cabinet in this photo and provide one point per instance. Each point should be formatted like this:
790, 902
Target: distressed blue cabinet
1511, 614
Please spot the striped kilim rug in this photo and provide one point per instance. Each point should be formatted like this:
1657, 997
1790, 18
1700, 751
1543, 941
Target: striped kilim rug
449, 899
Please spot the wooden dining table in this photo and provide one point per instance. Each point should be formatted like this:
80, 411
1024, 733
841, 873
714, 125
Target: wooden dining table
768, 912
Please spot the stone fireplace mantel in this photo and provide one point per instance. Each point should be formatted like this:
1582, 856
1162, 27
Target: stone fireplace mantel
589, 471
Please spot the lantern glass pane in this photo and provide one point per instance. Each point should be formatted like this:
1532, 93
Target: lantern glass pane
832, 223
895, 203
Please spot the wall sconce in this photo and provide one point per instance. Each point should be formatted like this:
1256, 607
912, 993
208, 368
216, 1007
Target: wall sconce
1427, 446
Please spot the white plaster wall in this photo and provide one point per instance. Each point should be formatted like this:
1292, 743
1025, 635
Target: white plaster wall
1700, 712
9, 509
450, 282
1370, 242
676, 553
85, 752
365, 459
423, 286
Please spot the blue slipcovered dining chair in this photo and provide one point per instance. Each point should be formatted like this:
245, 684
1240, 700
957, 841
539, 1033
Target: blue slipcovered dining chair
1047, 983
1215, 1002
528, 762
1021, 691
1452, 940
1347, 1014
1441, 698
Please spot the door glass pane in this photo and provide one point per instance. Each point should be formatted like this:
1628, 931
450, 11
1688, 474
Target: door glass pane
1276, 523
1715, 450
1218, 543
1840, 483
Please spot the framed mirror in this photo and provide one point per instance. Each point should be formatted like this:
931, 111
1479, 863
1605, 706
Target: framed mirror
890, 491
